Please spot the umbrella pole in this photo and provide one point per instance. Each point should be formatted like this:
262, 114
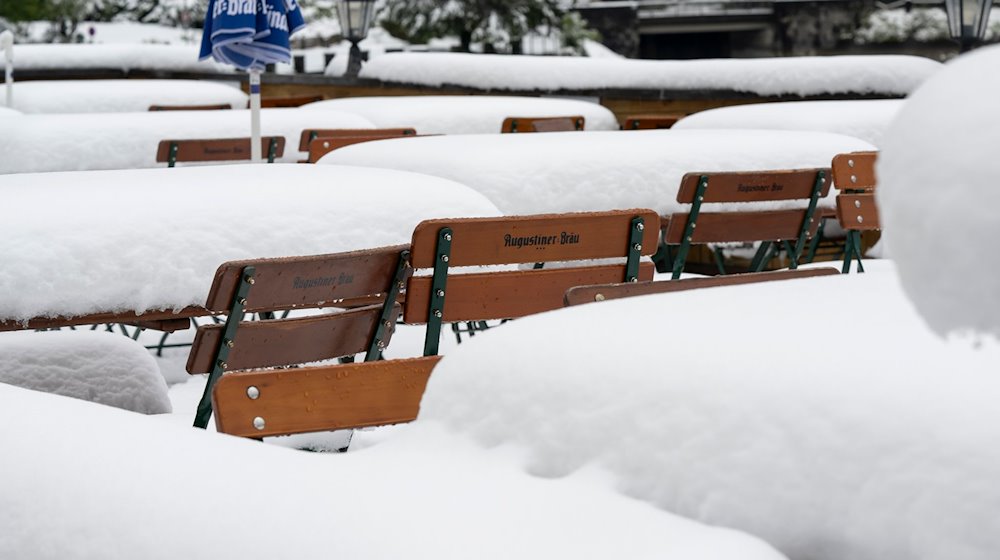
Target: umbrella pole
255, 143
7, 45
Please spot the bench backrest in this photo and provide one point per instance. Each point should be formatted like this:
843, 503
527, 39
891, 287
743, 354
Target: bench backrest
216, 107
310, 134
222, 149
854, 176
323, 145
602, 292
442, 244
650, 122
273, 102
542, 124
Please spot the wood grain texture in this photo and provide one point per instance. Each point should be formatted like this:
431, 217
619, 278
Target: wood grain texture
753, 186
311, 281
507, 295
217, 107
718, 227
322, 146
542, 124
284, 342
221, 149
538, 238
168, 319
858, 211
588, 294
855, 171
308, 134
650, 122
324, 398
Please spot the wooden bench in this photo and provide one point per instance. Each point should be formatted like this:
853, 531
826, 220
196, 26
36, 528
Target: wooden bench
603, 292
542, 124
269, 285
442, 244
319, 142
216, 107
278, 102
771, 227
857, 211
223, 149
650, 122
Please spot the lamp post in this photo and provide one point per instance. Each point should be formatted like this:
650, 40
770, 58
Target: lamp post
967, 21
355, 20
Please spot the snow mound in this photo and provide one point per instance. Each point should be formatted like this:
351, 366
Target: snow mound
152, 239
5, 112
866, 119
881, 449
121, 96
125, 57
813, 75
79, 142
104, 484
99, 367
573, 171
937, 175
465, 114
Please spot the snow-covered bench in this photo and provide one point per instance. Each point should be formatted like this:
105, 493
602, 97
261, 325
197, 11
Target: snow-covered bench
542, 124
857, 210
215, 150
123, 96
219, 107
650, 122
318, 143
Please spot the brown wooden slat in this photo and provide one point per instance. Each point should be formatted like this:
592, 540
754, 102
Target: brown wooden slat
163, 325
855, 170
718, 227
222, 149
307, 135
298, 101
216, 107
650, 122
322, 146
284, 342
312, 281
543, 238
507, 295
126, 317
588, 294
858, 211
324, 398
753, 186
542, 124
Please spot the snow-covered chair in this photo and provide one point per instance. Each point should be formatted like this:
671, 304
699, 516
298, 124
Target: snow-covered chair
222, 149
781, 189
319, 142
368, 282
542, 124
854, 176
650, 122
217, 107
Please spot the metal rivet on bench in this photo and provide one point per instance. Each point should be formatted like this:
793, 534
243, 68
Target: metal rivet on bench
400, 285
258, 423
633, 279
861, 220
381, 345
444, 258
253, 392
854, 178
437, 313
850, 163
249, 280
387, 324
857, 204
230, 343
326, 144
242, 301
640, 227
447, 237
223, 365
599, 297
440, 293
637, 246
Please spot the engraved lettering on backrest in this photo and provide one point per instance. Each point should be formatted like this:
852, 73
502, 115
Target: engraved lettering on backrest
222, 149
753, 186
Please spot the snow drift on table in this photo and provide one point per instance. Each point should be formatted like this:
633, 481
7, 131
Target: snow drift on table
125, 57
938, 193
82, 481
465, 114
811, 75
100, 367
5, 112
121, 96
864, 119
78, 142
833, 428
584, 171
84, 242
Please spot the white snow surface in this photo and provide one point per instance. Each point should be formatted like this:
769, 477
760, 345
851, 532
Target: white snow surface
87, 242
877, 443
178, 58
100, 367
587, 171
121, 96
464, 114
78, 142
937, 174
864, 119
814, 75
5, 112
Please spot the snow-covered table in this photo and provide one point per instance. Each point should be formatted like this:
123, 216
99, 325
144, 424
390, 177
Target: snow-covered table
123, 242
77, 142
864, 119
464, 114
121, 96
125, 57
571, 171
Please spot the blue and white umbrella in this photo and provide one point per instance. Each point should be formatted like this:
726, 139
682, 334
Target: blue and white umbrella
251, 34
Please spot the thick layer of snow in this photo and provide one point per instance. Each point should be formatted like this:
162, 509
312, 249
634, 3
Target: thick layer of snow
82, 481
178, 58
101, 367
5, 112
83, 242
937, 190
121, 96
868, 439
866, 119
464, 114
573, 171
881, 74
76, 142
